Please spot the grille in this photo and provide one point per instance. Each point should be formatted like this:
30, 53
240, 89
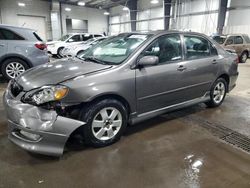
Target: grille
15, 88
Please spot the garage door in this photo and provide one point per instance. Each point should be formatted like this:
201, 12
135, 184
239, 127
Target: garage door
33, 22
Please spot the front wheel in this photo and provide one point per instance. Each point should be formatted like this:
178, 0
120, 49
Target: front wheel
105, 120
217, 93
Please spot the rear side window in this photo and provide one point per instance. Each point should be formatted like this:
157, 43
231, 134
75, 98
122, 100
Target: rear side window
238, 40
196, 47
37, 37
97, 35
6, 34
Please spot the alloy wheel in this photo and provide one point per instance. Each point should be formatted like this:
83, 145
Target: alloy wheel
244, 57
219, 92
14, 69
107, 123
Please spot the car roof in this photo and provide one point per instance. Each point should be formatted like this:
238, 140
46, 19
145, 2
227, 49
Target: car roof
14, 27
159, 32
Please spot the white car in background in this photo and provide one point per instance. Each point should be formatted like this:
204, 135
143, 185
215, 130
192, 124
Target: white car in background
56, 47
76, 49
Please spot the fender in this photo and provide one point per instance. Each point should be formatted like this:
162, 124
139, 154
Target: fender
14, 55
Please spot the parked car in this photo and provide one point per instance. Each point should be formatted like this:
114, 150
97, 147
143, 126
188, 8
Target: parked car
56, 47
240, 43
20, 49
74, 50
123, 80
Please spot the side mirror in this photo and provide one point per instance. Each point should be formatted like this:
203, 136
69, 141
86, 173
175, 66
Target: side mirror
148, 60
70, 40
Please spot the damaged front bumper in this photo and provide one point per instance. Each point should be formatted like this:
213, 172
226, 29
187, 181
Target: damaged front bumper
35, 129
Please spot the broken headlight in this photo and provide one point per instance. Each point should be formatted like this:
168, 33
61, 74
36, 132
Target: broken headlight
47, 94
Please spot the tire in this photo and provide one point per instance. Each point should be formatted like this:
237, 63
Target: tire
78, 53
220, 86
100, 125
244, 57
59, 52
13, 67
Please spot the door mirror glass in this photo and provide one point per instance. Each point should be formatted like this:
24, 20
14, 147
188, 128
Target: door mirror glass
148, 60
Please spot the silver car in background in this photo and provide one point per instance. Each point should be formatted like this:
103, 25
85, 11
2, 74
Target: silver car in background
123, 80
20, 49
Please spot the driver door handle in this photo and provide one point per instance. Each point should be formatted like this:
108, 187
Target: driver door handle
214, 61
181, 68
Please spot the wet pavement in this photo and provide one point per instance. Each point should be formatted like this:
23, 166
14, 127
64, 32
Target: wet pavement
172, 150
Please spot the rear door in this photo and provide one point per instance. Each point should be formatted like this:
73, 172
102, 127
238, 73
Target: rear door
201, 66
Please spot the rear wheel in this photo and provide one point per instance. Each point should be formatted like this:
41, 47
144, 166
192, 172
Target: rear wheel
13, 67
105, 120
244, 57
217, 93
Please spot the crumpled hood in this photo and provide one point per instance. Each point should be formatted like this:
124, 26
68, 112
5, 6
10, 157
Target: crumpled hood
54, 73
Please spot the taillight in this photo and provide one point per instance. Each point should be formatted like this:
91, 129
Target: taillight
237, 60
41, 46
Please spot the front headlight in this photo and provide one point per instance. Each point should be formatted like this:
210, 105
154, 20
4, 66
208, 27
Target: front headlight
48, 94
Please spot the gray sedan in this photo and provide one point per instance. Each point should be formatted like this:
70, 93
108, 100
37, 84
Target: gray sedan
123, 80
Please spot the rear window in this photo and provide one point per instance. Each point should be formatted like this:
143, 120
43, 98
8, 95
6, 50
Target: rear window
37, 37
220, 39
6, 34
246, 37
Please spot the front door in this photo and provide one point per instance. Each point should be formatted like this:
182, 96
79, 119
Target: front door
161, 85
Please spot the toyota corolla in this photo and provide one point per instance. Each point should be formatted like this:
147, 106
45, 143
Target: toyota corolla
123, 80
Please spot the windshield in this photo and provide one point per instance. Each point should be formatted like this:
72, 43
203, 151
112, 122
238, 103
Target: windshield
220, 39
65, 37
116, 49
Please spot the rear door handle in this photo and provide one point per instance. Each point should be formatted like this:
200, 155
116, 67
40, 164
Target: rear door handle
181, 68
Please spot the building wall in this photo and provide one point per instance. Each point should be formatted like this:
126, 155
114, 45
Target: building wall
97, 21
10, 11
194, 15
237, 19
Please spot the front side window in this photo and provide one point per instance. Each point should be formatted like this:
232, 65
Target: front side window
196, 47
65, 37
6, 34
86, 37
75, 38
167, 48
230, 40
238, 40
116, 49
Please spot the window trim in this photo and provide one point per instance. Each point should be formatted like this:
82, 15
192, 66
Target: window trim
167, 62
200, 36
23, 38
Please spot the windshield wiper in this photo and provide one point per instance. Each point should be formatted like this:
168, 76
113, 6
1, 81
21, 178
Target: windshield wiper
93, 59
